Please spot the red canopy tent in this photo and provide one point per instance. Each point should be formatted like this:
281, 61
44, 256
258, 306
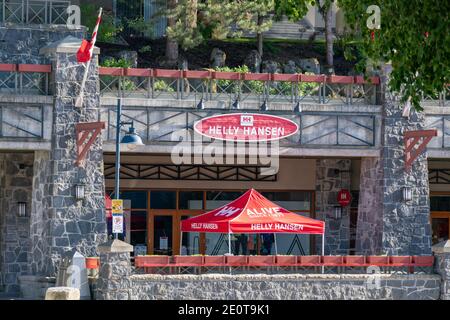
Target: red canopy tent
253, 213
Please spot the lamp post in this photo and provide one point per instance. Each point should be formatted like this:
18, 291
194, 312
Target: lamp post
130, 139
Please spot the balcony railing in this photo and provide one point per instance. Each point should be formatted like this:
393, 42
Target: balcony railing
228, 87
30, 79
21, 122
315, 128
34, 11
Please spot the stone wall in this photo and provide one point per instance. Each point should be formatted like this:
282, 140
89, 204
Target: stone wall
284, 287
333, 175
21, 44
69, 223
406, 225
369, 228
16, 173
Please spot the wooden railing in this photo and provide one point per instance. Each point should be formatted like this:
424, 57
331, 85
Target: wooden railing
174, 264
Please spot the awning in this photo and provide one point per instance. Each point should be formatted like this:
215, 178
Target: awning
252, 213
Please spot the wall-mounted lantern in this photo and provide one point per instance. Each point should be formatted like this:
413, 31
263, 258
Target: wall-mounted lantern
80, 191
407, 194
337, 212
21, 209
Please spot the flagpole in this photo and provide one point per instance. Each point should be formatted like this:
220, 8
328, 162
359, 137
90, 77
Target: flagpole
79, 101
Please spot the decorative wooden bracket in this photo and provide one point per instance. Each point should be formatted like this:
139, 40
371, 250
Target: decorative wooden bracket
415, 144
83, 142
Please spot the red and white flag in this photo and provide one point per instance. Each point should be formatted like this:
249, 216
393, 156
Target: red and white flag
84, 54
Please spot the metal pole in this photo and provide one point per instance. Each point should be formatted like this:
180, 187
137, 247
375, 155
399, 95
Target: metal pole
117, 175
276, 248
323, 248
229, 241
181, 241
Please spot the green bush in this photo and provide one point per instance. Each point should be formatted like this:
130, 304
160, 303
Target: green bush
161, 85
127, 84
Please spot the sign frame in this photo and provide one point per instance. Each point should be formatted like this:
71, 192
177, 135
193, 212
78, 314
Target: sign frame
297, 127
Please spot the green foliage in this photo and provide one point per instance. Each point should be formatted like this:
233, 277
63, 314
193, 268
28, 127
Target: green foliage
139, 25
197, 21
116, 63
107, 31
145, 49
414, 38
293, 9
161, 85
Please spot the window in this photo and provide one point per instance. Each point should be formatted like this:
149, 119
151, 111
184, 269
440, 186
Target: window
163, 199
138, 198
190, 200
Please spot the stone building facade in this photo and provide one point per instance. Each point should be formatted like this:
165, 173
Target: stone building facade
56, 222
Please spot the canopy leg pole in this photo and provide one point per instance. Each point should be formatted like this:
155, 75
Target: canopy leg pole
229, 245
323, 249
276, 247
181, 241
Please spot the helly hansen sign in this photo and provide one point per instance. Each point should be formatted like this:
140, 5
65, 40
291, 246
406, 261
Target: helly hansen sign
246, 127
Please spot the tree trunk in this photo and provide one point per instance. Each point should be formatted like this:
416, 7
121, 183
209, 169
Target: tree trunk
171, 45
329, 36
259, 36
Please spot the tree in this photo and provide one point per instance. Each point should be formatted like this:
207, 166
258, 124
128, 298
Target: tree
171, 43
192, 22
325, 10
413, 37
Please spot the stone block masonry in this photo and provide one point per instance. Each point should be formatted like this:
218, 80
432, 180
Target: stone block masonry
284, 287
64, 222
16, 175
332, 175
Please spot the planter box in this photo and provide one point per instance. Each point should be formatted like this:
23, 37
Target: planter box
211, 261
378, 260
236, 260
261, 261
286, 260
309, 260
400, 260
92, 263
333, 260
423, 261
355, 260
151, 261
188, 260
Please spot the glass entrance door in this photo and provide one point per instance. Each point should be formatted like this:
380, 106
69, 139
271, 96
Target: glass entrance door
440, 217
163, 236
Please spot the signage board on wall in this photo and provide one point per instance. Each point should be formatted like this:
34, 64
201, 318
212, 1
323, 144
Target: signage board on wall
344, 197
248, 127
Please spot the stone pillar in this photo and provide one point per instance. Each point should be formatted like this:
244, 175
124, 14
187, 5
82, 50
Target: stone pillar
442, 266
369, 229
406, 225
115, 269
332, 176
16, 173
67, 223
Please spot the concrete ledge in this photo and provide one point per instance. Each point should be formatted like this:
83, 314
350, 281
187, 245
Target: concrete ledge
62, 293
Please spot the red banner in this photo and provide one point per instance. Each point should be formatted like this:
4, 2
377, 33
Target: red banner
246, 127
